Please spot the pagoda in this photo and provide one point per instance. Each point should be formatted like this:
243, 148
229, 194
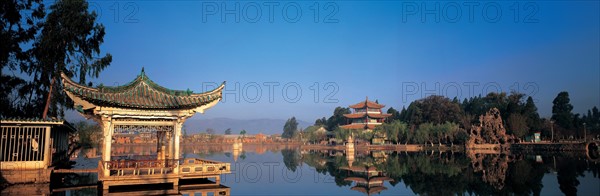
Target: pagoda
144, 107
367, 179
366, 115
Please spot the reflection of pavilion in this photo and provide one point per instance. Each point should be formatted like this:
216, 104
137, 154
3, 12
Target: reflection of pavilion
204, 190
367, 179
237, 148
146, 108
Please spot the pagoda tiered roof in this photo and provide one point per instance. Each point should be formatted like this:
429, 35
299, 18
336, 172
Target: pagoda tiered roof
371, 115
141, 93
359, 126
369, 190
368, 104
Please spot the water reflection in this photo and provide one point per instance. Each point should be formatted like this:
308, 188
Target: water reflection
349, 172
450, 173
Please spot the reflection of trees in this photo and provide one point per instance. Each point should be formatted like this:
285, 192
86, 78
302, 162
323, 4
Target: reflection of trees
525, 177
493, 168
457, 174
436, 174
568, 169
291, 159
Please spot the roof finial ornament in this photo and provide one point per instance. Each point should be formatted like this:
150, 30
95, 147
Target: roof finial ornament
142, 74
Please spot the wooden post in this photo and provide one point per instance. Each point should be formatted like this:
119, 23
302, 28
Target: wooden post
107, 129
47, 148
177, 133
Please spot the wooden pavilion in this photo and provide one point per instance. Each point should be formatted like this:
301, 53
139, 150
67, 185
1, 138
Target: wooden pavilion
366, 115
143, 106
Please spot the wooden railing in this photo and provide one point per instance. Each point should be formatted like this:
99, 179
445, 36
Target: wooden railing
195, 166
140, 167
187, 167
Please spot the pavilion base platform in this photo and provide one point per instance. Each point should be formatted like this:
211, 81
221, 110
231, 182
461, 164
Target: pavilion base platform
160, 172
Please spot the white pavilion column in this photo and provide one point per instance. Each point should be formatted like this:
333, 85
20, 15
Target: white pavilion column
107, 127
176, 136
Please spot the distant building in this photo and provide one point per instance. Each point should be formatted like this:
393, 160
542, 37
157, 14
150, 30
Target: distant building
260, 137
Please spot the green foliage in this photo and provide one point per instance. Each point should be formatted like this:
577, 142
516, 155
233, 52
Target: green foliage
20, 22
447, 132
67, 41
337, 118
210, 131
517, 125
228, 131
321, 122
561, 110
89, 134
395, 115
423, 117
243, 132
533, 118
395, 131
433, 109
312, 134
290, 128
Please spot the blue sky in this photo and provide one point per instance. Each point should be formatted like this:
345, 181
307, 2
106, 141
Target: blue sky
386, 50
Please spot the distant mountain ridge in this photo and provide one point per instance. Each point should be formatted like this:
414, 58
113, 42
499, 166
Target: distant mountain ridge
252, 126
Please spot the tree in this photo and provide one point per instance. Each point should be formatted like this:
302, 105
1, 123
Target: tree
20, 21
517, 123
243, 132
337, 118
514, 103
321, 122
89, 134
531, 113
394, 131
210, 131
69, 43
290, 128
395, 114
228, 131
435, 109
561, 110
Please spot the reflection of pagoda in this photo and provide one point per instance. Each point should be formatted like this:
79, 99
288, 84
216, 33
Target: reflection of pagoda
367, 115
367, 179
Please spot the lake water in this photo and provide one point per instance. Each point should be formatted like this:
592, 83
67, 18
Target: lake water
280, 170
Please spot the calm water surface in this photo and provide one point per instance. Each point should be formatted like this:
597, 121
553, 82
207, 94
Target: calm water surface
277, 170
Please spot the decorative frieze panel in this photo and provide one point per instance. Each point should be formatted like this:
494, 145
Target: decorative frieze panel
137, 129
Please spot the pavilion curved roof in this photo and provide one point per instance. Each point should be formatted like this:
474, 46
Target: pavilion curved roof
371, 115
358, 126
141, 93
369, 190
368, 104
